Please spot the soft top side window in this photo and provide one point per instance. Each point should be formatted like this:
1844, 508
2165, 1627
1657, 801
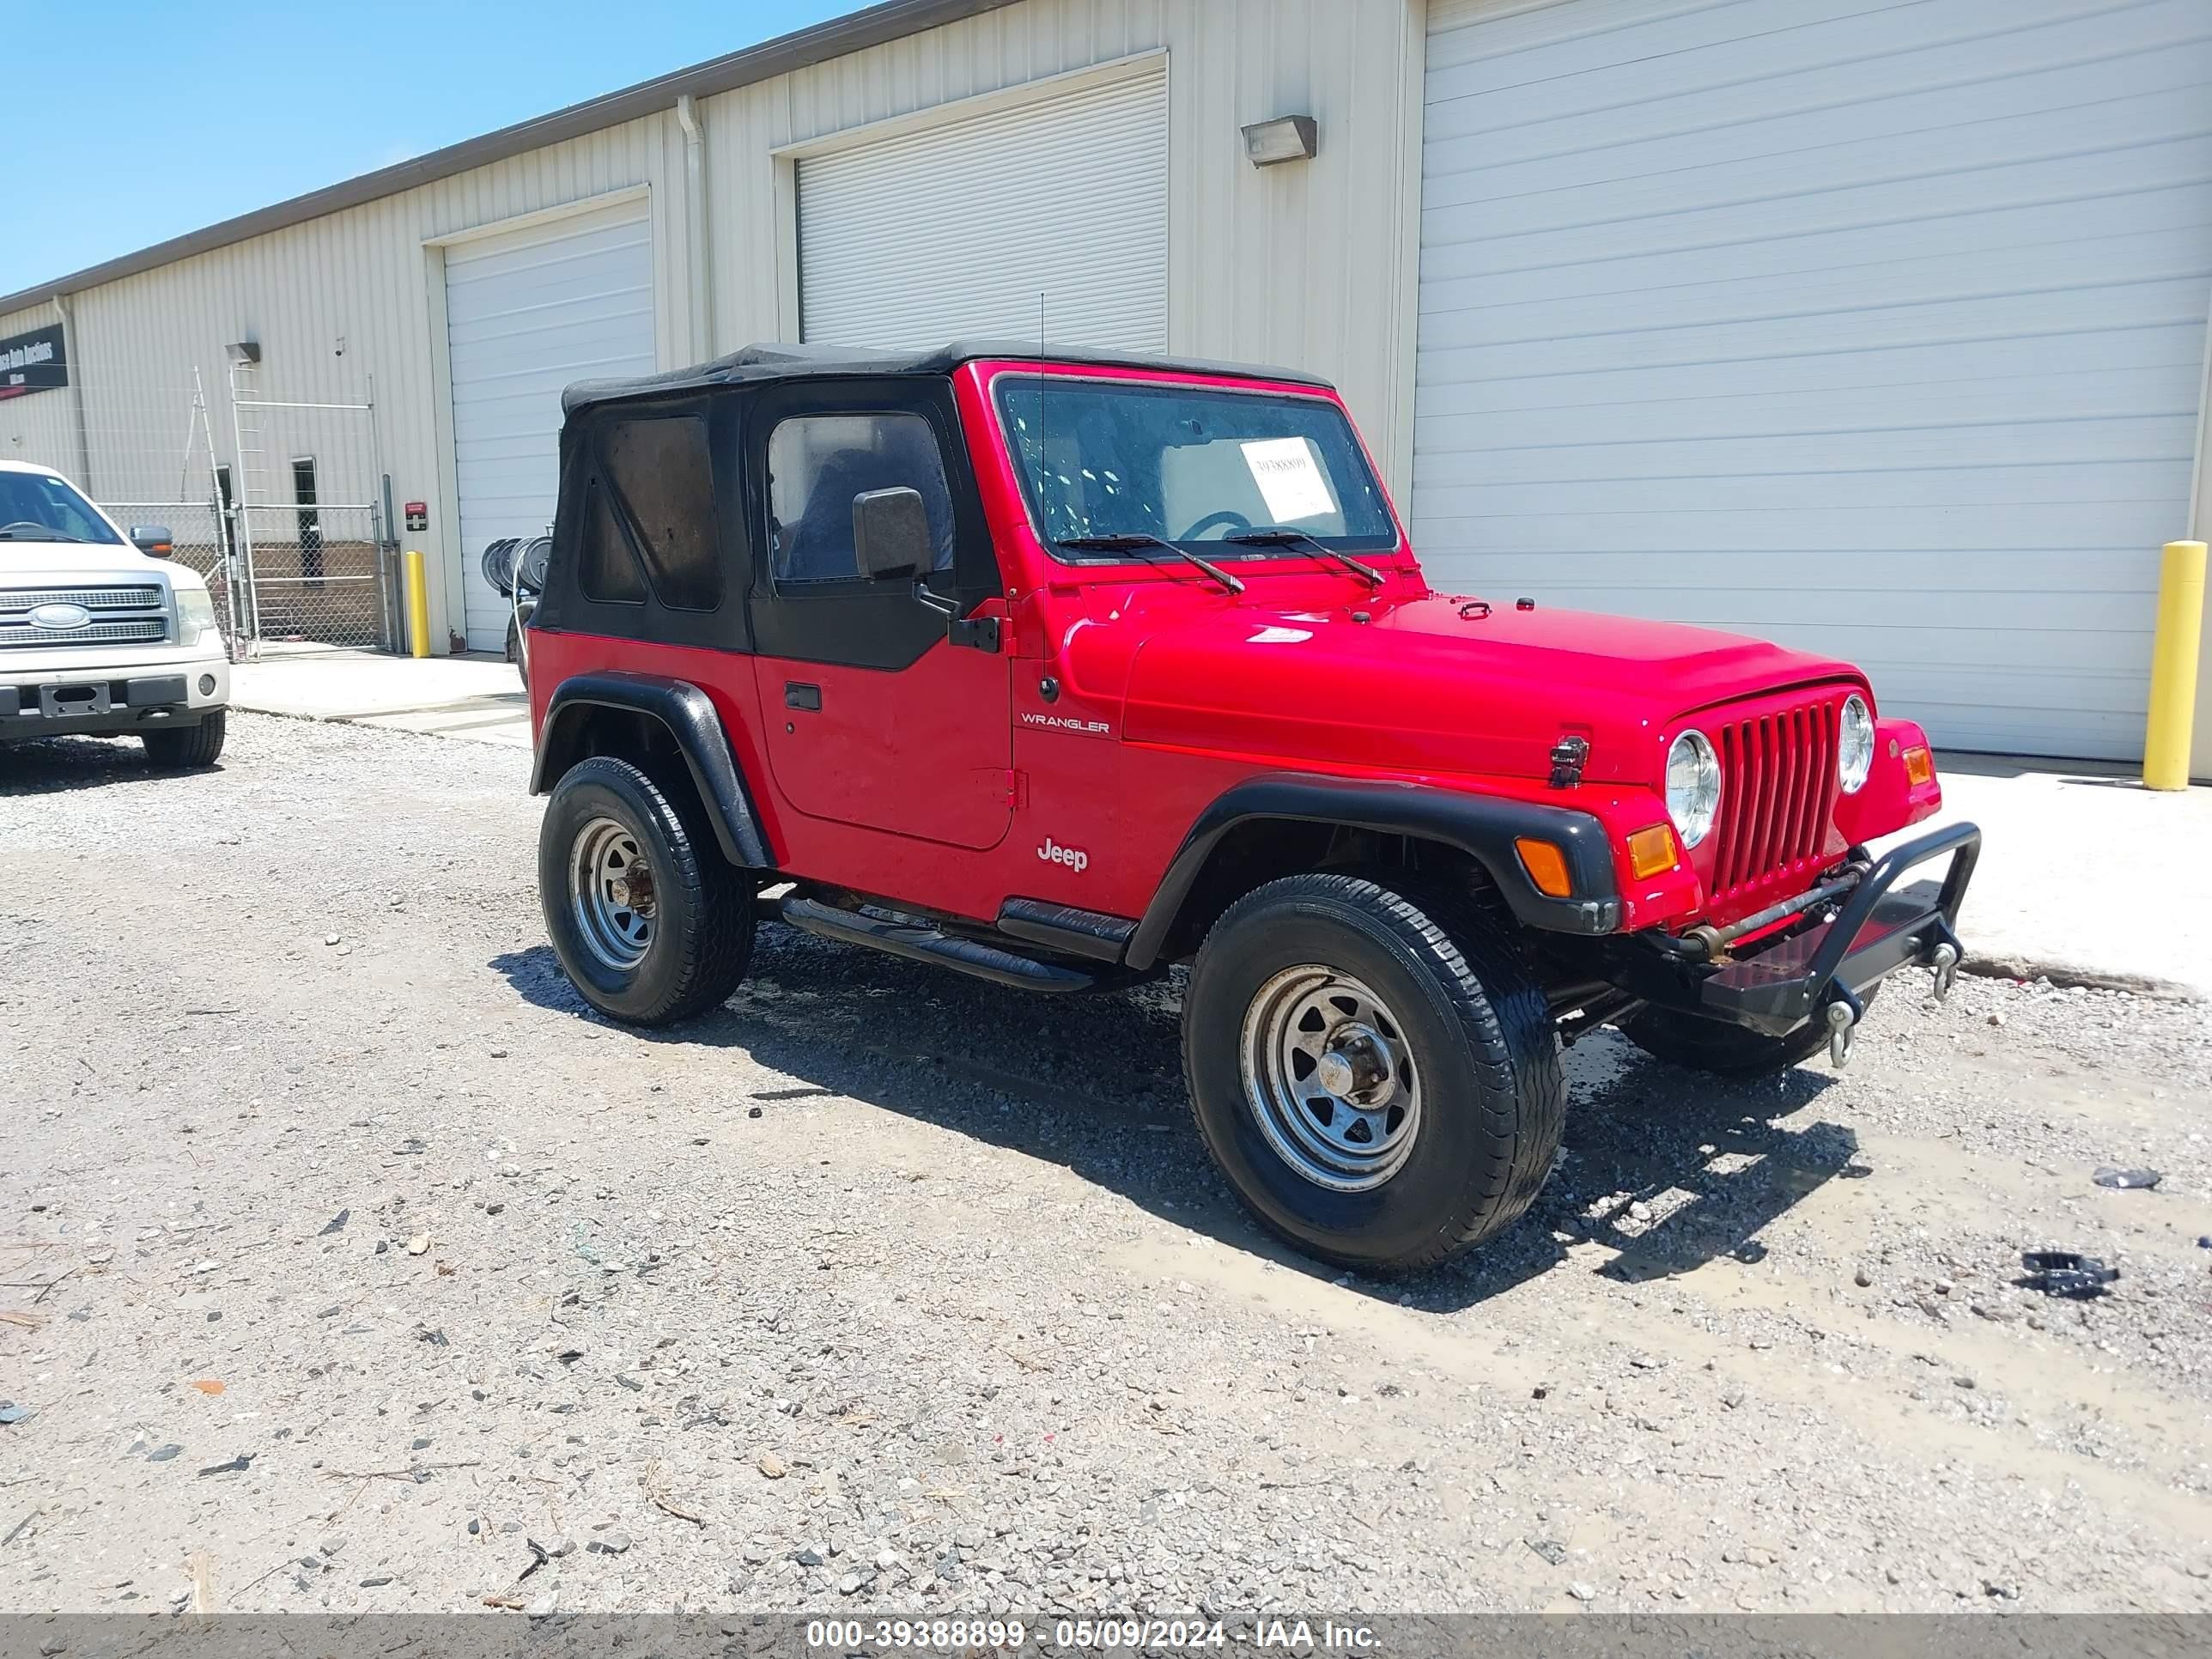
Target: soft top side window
818, 463
661, 472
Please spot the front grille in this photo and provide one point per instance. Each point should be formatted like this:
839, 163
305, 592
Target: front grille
149, 630
147, 597
135, 615
1777, 794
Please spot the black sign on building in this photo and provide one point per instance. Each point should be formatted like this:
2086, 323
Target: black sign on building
37, 362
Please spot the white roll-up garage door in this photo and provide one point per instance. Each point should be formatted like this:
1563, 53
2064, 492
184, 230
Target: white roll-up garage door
1050, 213
1874, 329
527, 312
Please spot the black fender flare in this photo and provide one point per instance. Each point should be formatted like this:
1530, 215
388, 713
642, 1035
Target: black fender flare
689, 714
1483, 826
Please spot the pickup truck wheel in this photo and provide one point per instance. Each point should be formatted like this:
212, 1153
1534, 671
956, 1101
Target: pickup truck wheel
179, 747
1373, 1069
1719, 1049
649, 921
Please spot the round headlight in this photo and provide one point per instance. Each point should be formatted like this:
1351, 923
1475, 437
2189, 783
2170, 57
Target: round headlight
1693, 786
1855, 745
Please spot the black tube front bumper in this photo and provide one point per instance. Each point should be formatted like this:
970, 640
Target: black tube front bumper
1875, 931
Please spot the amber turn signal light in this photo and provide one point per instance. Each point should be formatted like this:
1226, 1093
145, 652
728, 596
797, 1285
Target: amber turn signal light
1919, 766
1650, 851
1547, 866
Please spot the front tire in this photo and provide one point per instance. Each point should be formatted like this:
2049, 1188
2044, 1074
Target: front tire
1719, 1049
649, 921
1373, 1068
178, 748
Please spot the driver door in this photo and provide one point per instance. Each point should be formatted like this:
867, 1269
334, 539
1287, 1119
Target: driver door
875, 717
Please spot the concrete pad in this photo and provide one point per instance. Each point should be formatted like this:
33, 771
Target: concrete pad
477, 698
2085, 875
507, 730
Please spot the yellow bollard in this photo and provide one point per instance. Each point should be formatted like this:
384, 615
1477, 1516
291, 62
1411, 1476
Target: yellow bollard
418, 608
2173, 667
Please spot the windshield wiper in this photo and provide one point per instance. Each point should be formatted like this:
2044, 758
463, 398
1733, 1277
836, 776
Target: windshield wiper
24, 531
1283, 536
1129, 541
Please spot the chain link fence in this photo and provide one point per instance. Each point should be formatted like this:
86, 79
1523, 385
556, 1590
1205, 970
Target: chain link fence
310, 528
277, 502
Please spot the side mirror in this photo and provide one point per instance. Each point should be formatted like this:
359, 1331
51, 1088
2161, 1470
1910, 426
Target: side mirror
890, 534
153, 539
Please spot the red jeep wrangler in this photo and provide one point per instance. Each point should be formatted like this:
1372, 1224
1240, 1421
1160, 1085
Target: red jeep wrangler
1059, 669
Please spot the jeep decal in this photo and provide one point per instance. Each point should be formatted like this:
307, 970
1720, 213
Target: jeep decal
1053, 852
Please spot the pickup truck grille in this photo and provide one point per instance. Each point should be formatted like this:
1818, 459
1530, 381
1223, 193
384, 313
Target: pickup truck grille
1777, 794
134, 615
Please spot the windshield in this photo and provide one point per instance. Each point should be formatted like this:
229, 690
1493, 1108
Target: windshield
1101, 461
37, 507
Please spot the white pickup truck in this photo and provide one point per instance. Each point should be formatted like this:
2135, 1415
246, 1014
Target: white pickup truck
100, 635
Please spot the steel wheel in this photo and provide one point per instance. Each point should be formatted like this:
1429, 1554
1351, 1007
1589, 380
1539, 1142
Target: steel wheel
1329, 1077
651, 923
611, 890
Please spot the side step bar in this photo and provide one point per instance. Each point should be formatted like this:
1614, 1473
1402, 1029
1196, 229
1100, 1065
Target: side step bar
1064, 928
922, 943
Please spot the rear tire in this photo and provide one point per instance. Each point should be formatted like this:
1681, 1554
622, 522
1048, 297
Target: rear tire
1453, 1102
178, 748
649, 921
1719, 1049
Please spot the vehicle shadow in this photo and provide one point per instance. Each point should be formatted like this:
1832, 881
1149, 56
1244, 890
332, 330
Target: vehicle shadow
1095, 1083
1671, 1170
51, 766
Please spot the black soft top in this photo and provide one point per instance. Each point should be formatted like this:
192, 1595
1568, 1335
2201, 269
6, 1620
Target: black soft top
773, 362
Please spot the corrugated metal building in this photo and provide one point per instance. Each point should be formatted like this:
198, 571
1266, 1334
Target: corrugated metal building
1879, 329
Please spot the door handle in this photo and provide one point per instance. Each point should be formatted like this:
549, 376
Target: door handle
797, 694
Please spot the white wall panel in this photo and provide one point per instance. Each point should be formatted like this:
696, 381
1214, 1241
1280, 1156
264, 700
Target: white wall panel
1044, 220
1878, 331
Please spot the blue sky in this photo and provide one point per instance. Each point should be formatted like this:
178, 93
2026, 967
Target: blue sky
150, 119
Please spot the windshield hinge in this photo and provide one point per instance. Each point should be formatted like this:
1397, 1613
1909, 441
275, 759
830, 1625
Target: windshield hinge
982, 633
977, 633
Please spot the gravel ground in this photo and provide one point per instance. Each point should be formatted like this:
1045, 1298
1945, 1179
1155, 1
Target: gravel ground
351, 1266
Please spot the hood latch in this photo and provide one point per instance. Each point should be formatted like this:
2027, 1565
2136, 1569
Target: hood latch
1569, 755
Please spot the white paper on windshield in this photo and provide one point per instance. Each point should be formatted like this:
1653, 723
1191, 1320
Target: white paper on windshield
1289, 478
